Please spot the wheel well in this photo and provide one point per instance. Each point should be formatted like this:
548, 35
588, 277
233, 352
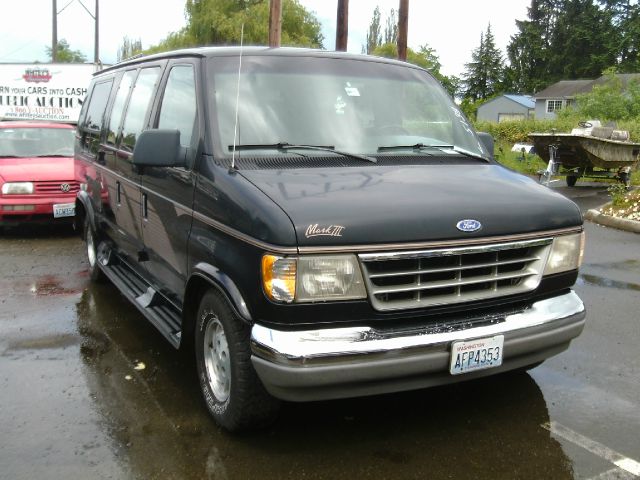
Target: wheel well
197, 286
81, 214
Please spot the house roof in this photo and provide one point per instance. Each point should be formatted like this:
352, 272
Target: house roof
570, 88
566, 89
524, 100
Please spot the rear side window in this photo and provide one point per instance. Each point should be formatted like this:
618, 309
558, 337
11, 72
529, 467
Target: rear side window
179, 103
139, 105
119, 104
97, 105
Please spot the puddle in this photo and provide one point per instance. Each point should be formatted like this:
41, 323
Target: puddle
586, 279
49, 286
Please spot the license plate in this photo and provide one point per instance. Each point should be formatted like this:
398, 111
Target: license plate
478, 354
64, 210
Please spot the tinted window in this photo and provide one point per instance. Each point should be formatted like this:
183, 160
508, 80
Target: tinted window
138, 108
179, 103
97, 105
118, 105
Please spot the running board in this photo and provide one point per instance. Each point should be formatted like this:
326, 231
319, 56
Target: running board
164, 316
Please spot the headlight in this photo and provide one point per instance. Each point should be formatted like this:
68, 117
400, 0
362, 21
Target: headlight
566, 254
313, 278
17, 188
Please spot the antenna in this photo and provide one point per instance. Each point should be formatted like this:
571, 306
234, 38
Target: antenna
235, 128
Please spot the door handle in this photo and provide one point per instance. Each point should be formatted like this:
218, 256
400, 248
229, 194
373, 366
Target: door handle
144, 206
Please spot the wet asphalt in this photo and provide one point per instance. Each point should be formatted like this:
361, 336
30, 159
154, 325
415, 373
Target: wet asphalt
73, 404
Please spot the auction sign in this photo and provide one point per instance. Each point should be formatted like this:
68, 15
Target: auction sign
43, 91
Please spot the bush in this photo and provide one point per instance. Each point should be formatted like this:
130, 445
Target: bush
518, 131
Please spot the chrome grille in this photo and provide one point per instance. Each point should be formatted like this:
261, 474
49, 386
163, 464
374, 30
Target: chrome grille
405, 280
55, 187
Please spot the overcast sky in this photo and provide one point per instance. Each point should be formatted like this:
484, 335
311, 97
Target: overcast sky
451, 27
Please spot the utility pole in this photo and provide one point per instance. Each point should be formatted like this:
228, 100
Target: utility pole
54, 33
275, 22
342, 28
403, 20
96, 55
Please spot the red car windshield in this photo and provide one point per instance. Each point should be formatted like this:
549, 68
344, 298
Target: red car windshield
36, 142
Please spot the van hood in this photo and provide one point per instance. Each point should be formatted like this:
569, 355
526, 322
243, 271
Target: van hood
411, 203
38, 169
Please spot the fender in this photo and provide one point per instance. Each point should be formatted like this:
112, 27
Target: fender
225, 285
84, 198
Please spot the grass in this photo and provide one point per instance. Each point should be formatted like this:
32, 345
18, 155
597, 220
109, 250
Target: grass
524, 163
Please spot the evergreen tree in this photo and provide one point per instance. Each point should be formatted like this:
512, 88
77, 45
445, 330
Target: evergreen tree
484, 75
391, 28
583, 43
527, 51
374, 37
129, 48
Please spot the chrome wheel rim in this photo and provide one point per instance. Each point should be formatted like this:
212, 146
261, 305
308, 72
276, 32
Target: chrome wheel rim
91, 249
217, 361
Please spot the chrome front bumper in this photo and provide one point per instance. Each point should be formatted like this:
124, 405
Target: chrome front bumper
345, 362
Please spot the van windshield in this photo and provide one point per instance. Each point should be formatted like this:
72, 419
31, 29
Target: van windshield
353, 105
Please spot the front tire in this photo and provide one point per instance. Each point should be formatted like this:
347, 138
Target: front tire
232, 391
571, 180
95, 273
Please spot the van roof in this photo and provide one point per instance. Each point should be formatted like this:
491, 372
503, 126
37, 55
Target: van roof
251, 51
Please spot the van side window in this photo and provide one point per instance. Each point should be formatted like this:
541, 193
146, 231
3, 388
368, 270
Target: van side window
139, 105
179, 103
97, 105
118, 106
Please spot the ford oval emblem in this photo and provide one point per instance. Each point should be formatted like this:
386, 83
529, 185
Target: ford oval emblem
468, 225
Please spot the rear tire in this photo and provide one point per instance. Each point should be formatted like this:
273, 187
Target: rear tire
95, 273
232, 391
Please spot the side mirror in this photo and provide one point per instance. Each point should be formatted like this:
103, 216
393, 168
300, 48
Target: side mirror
159, 148
487, 142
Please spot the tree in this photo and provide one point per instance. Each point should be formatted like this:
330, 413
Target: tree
583, 43
483, 77
610, 100
219, 22
374, 37
391, 28
129, 48
64, 54
570, 39
527, 51
626, 23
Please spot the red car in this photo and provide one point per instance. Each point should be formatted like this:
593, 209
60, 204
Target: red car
38, 179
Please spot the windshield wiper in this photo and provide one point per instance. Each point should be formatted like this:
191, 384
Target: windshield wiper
53, 156
423, 146
415, 146
284, 146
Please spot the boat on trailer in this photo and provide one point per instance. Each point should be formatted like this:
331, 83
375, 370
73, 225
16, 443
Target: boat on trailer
590, 151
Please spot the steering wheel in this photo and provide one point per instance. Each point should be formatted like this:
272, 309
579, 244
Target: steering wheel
585, 124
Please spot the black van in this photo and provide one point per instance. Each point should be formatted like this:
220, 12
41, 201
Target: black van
318, 225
